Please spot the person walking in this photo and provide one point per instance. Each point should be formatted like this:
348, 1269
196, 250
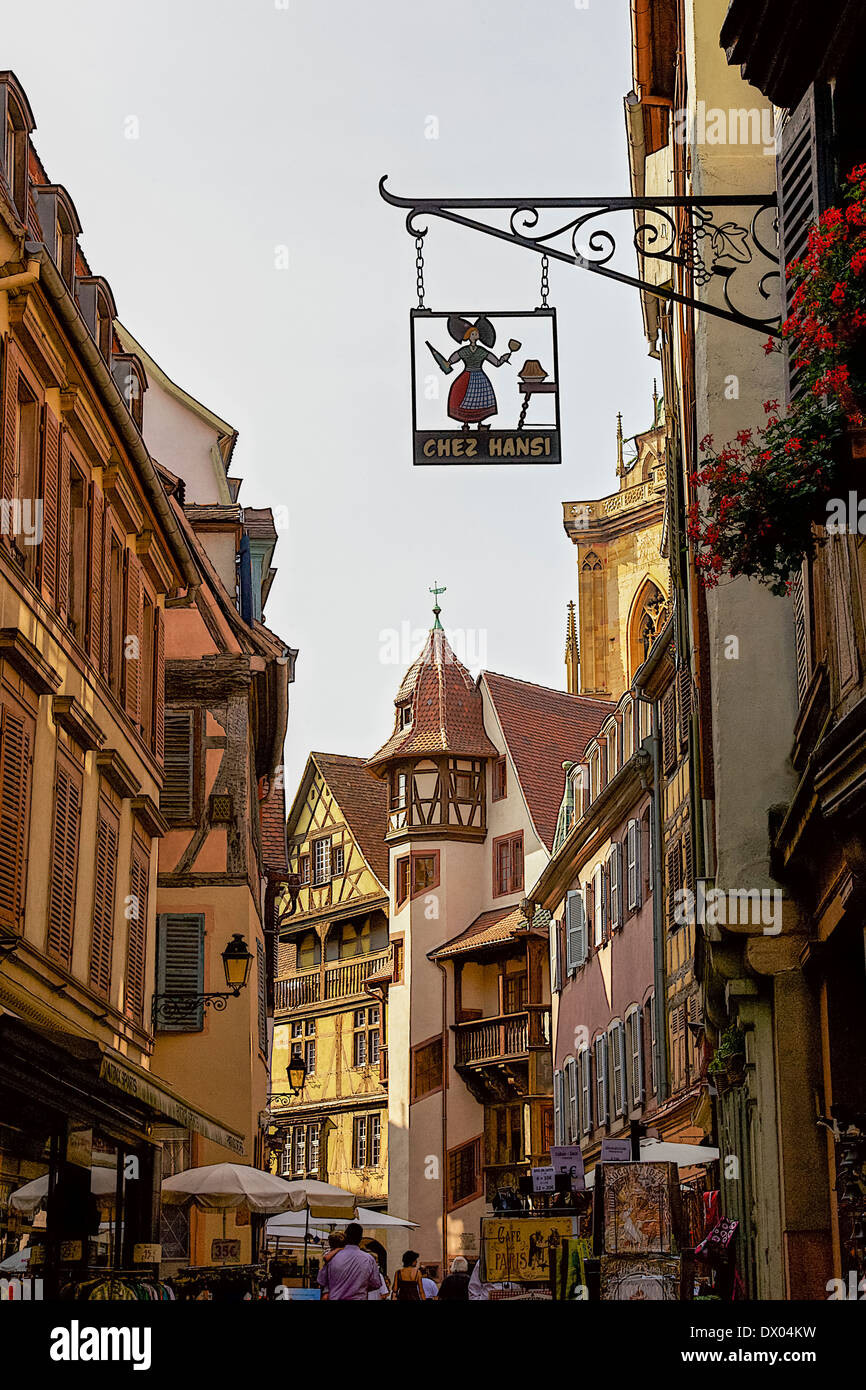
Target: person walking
455, 1285
408, 1286
350, 1273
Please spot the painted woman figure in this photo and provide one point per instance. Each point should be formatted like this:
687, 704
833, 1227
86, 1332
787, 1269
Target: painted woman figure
472, 398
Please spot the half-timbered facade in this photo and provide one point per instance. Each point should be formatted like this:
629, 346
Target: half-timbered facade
333, 958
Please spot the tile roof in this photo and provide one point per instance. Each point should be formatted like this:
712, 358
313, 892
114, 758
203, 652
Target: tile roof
364, 803
272, 814
543, 729
447, 709
490, 929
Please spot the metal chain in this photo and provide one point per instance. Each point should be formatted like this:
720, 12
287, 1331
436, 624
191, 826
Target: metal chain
545, 284
419, 270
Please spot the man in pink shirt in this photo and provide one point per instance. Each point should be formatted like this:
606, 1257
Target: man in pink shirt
350, 1273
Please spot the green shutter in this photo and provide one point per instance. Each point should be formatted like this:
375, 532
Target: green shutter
180, 965
263, 998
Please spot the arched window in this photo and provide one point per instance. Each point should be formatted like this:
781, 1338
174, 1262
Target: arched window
649, 614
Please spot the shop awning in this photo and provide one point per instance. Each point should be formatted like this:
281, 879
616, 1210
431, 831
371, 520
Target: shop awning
137, 1083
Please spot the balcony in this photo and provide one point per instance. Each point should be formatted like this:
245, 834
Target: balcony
342, 979
504, 1038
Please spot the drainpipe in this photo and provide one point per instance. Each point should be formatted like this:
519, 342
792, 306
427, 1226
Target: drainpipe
658, 907
446, 1063
68, 313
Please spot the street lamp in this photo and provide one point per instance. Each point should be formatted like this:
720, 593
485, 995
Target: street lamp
296, 1072
237, 962
183, 1007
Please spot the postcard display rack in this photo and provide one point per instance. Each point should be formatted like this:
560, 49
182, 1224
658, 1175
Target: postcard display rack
637, 1231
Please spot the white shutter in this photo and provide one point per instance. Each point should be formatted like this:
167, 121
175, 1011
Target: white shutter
633, 863
601, 1105
616, 1049
585, 1062
555, 958
615, 860
599, 905
557, 1107
575, 931
573, 1131
635, 1023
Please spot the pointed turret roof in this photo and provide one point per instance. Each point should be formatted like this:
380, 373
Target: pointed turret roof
446, 709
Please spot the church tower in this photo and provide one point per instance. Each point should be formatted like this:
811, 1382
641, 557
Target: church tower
622, 569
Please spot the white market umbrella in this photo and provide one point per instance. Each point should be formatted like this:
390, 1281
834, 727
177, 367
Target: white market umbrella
320, 1199
227, 1187
103, 1185
291, 1222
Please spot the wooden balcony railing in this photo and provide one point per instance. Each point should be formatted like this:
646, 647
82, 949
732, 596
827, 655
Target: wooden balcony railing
504, 1037
339, 980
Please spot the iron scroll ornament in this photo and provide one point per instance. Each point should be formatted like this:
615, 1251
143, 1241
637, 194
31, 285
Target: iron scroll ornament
180, 1008
701, 240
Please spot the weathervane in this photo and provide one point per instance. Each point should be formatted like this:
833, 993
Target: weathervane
436, 591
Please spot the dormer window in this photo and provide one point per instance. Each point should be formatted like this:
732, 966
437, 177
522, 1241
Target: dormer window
17, 123
60, 227
96, 303
404, 716
131, 382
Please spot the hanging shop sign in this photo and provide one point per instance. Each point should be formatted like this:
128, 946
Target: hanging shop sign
485, 388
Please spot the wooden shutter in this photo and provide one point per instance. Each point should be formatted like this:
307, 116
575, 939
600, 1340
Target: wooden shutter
132, 663
675, 882
573, 1107
616, 1047
63, 525
678, 1044
97, 555
176, 798
64, 863
601, 1087
669, 731
684, 690
159, 686
103, 900
690, 861
108, 600
136, 941
50, 505
15, 752
180, 965
9, 448
261, 980
804, 177
801, 646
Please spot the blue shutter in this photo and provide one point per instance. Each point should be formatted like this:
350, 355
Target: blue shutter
180, 965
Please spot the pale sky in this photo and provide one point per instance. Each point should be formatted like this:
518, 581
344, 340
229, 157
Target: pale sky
266, 124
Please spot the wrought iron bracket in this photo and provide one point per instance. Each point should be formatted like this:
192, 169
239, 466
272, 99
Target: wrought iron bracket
689, 234
178, 1008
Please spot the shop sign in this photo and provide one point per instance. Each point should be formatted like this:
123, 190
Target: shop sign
568, 1158
146, 1254
518, 1247
615, 1151
544, 1179
485, 388
225, 1251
